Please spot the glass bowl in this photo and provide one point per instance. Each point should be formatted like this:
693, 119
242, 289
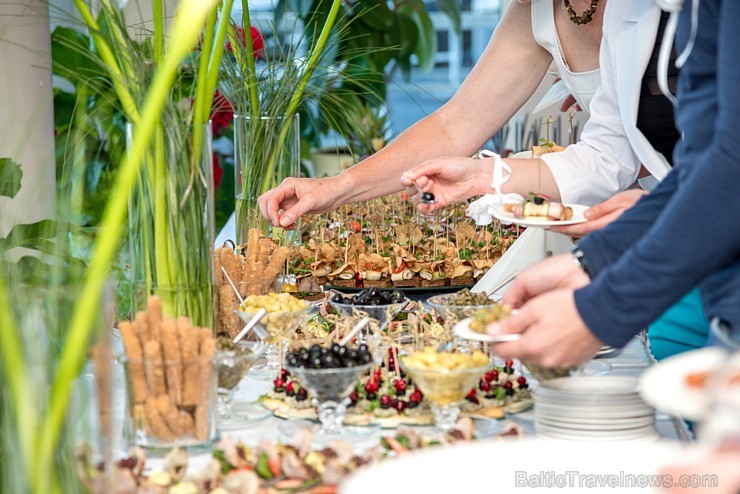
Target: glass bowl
454, 313
445, 389
330, 389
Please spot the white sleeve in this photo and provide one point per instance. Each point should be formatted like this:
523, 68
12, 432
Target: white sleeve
603, 162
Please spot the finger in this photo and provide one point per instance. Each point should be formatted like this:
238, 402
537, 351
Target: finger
273, 205
428, 168
290, 216
602, 208
515, 323
516, 295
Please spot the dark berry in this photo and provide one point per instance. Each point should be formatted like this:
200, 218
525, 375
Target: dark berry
484, 385
509, 392
473, 399
522, 381
301, 394
371, 396
490, 377
471, 393
290, 387
284, 374
509, 363
494, 375
354, 397
508, 385
278, 385
415, 397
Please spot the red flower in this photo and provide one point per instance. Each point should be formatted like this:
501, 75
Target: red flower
217, 172
258, 43
222, 114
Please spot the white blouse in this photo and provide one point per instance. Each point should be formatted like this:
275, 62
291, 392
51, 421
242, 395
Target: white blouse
582, 85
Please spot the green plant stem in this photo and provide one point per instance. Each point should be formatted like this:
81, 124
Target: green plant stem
163, 255
186, 27
158, 20
295, 99
254, 98
109, 59
201, 113
15, 371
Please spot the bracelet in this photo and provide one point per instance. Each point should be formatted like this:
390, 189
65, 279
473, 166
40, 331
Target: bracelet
499, 167
579, 259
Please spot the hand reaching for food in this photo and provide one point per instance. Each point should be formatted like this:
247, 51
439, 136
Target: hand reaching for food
449, 179
294, 197
603, 213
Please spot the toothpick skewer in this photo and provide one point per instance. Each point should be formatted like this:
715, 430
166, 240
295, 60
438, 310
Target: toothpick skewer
352, 332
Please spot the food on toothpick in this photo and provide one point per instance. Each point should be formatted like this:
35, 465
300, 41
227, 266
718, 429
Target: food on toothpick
537, 206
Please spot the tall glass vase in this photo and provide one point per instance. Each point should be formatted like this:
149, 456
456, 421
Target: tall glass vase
171, 224
266, 151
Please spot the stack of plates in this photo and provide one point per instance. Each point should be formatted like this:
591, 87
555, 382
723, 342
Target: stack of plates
593, 408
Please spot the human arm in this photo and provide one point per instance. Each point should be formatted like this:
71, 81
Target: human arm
486, 100
695, 235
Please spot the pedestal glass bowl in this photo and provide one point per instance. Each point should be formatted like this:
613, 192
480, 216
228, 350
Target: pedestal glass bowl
277, 326
445, 389
381, 315
232, 366
330, 389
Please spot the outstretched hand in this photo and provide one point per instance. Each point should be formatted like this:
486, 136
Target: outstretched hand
450, 179
294, 197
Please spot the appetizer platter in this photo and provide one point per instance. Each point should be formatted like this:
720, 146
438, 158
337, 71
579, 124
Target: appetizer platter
390, 398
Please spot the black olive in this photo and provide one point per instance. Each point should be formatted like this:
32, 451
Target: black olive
335, 348
538, 200
363, 348
427, 197
315, 348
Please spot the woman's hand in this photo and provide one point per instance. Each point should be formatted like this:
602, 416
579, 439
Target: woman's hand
450, 179
603, 213
294, 197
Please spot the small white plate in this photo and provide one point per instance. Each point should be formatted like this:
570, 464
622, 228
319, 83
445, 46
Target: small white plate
664, 384
578, 210
463, 330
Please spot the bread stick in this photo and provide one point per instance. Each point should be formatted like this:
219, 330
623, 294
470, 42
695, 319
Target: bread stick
157, 426
135, 362
173, 359
189, 350
154, 368
141, 325
154, 317
169, 414
202, 409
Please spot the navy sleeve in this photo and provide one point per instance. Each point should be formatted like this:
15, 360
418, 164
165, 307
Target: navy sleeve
602, 248
697, 233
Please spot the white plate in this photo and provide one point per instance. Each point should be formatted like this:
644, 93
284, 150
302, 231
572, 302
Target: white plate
578, 210
471, 467
462, 329
664, 384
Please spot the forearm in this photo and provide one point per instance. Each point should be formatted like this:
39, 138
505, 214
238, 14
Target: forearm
380, 173
531, 175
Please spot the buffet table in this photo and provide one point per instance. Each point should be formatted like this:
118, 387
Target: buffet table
632, 360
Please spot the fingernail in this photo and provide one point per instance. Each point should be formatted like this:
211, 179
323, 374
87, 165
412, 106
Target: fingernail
493, 329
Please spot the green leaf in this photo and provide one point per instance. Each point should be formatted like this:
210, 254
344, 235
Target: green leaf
72, 56
452, 9
376, 14
426, 48
31, 232
10, 177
